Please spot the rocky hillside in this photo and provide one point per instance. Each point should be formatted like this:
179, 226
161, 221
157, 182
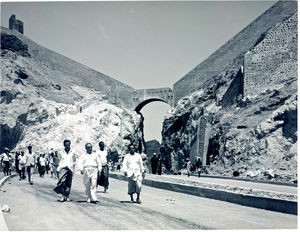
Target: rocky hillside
152, 146
46, 98
258, 138
251, 135
58, 73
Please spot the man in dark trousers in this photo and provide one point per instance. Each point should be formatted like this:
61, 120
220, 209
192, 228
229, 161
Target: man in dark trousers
30, 161
159, 165
198, 165
103, 175
154, 162
17, 163
4, 160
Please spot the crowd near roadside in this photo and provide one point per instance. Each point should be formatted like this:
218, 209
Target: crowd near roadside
93, 164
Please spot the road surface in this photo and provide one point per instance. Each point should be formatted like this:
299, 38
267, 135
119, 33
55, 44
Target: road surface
35, 207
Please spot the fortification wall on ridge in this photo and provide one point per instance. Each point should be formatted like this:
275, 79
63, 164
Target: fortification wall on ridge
273, 60
234, 50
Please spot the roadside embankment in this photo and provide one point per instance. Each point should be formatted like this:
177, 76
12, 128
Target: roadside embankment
267, 196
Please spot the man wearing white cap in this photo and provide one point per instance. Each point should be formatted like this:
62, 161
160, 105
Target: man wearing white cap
154, 162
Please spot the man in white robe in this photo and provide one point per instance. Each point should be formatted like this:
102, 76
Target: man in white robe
133, 168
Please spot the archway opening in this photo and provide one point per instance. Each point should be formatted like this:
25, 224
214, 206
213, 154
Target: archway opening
140, 106
154, 114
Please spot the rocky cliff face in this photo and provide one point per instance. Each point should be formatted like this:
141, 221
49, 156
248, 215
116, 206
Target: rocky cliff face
152, 146
253, 135
42, 105
257, 137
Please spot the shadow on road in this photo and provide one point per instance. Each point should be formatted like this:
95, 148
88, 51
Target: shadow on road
92, 202
127, 202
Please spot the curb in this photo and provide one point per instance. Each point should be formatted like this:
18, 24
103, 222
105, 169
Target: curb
3, 180
3, 225
251, 180
278, 205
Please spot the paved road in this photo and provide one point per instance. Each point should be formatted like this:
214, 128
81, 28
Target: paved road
36, 208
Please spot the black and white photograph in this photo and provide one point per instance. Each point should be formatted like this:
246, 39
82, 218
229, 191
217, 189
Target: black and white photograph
148, 115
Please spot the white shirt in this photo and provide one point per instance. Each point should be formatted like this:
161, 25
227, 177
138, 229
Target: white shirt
30, 159
67, 160
103, 156
43, 161
22, 159
5, 157
90, 160
133, 164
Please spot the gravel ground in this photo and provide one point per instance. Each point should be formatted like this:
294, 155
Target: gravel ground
228, 188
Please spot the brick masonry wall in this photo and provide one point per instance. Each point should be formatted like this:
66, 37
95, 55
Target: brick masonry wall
236, 47
273, 60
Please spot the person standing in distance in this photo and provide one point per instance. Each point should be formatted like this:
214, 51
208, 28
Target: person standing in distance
30, 161
198, 165
66, 169
22, 163
55, 165
4, 160
154, 162
134, 170
188, 165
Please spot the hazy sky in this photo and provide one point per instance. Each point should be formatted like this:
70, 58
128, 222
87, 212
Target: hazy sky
143, 44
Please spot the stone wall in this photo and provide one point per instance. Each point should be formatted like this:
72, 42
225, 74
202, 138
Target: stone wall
66, 72
233, 50
15, 24
274, 59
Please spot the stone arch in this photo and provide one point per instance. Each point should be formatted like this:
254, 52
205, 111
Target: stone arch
143, 103
142, 97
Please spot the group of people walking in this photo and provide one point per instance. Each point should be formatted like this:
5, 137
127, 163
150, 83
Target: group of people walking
94, 168
27, 163
92, 165
190, 167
